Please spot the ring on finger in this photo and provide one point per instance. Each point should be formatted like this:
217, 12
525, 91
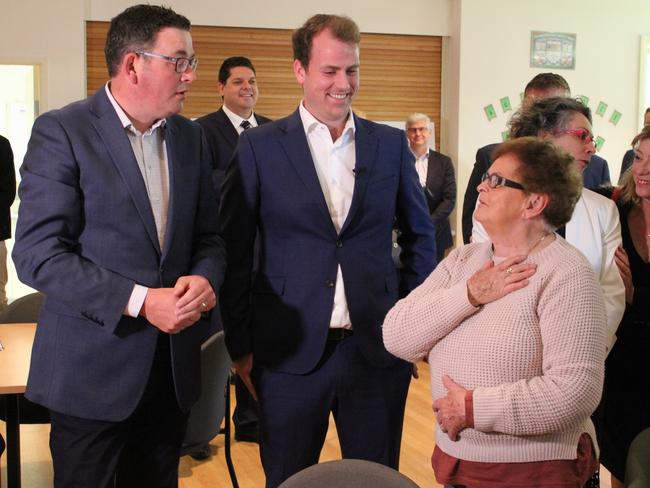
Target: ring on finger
203, 306
509, 270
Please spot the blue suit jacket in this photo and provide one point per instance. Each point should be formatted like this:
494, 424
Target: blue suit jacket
271, 185
86, 234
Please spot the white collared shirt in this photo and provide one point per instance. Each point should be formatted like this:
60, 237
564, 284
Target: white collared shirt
236, 120
334, 162
422, 166
151, 154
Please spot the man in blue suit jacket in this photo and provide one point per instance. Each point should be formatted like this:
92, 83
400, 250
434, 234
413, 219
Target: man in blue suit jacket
323, 188
117, 227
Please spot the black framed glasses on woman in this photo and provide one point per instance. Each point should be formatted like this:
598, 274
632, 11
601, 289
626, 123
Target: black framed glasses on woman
495, 181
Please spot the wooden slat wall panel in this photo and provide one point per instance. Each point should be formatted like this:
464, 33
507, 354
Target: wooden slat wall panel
400, 74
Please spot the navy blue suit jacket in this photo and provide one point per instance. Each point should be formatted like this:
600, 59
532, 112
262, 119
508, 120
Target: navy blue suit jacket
271, 185
595, 175
86, 234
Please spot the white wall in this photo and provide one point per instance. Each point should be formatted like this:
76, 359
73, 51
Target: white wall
494, 62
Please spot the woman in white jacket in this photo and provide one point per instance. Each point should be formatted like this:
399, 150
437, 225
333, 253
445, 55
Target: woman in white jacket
594, 228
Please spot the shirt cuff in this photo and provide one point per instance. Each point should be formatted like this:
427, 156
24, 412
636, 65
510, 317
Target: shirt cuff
469, 409
136, 300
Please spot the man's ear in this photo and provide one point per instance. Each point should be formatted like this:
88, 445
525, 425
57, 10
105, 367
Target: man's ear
130, 67
299, 71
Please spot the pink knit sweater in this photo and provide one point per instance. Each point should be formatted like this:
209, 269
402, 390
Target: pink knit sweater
534, 358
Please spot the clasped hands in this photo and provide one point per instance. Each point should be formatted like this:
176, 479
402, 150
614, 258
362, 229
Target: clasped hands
173, 309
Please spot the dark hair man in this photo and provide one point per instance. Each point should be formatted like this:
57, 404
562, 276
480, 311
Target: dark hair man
239, 91
116, 227
543, 85
323, 189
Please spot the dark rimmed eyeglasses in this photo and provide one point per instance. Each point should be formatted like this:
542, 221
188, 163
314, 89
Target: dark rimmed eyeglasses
180, 64
495, 181
583, 134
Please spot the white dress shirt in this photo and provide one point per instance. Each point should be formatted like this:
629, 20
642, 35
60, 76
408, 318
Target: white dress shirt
334, 162
422, 166
236, 120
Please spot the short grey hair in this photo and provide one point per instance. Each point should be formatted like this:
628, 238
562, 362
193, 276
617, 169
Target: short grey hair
418, 117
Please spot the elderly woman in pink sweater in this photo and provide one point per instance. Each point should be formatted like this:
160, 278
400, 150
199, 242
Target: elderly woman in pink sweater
514, 331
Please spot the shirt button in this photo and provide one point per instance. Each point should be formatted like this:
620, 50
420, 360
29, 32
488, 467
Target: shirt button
339, 244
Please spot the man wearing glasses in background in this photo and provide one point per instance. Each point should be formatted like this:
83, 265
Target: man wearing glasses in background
117, 227
436, 175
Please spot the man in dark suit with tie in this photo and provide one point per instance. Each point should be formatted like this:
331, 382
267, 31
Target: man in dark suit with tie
117, 227
239, 91
7, 195
543, 85
436, 175
323, 189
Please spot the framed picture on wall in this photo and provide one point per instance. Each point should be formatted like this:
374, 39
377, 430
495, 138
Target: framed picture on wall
555, 50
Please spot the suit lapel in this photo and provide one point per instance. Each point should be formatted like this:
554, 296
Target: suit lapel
110, 130
294, 143
174, 143
226, 128
431, 170
365, 148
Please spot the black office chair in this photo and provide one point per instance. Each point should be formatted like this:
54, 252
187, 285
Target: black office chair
348, 473
213, 406
25, 309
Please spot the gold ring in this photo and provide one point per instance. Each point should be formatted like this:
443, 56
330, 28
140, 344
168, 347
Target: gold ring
509, 270
203, 305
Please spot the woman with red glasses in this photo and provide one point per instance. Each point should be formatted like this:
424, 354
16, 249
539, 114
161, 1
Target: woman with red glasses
594, 227
625, 408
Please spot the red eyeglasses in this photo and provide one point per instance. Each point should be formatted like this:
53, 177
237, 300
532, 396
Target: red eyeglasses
583, 134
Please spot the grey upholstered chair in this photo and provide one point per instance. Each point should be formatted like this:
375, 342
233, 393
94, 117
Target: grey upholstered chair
206, 415
637, 469
348, 473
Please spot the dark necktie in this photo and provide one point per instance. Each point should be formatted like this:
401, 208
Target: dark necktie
245, 124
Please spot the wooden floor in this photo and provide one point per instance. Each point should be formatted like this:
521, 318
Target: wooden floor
417, 446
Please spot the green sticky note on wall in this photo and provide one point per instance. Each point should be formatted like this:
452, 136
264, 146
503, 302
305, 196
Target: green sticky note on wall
490, 113
505, 135
584, 99
505, 104
616, 117
602, 108
599, 142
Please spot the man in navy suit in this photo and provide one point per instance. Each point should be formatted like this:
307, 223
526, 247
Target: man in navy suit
436, 175
543, 85
239, 91
117, 227
323, 189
